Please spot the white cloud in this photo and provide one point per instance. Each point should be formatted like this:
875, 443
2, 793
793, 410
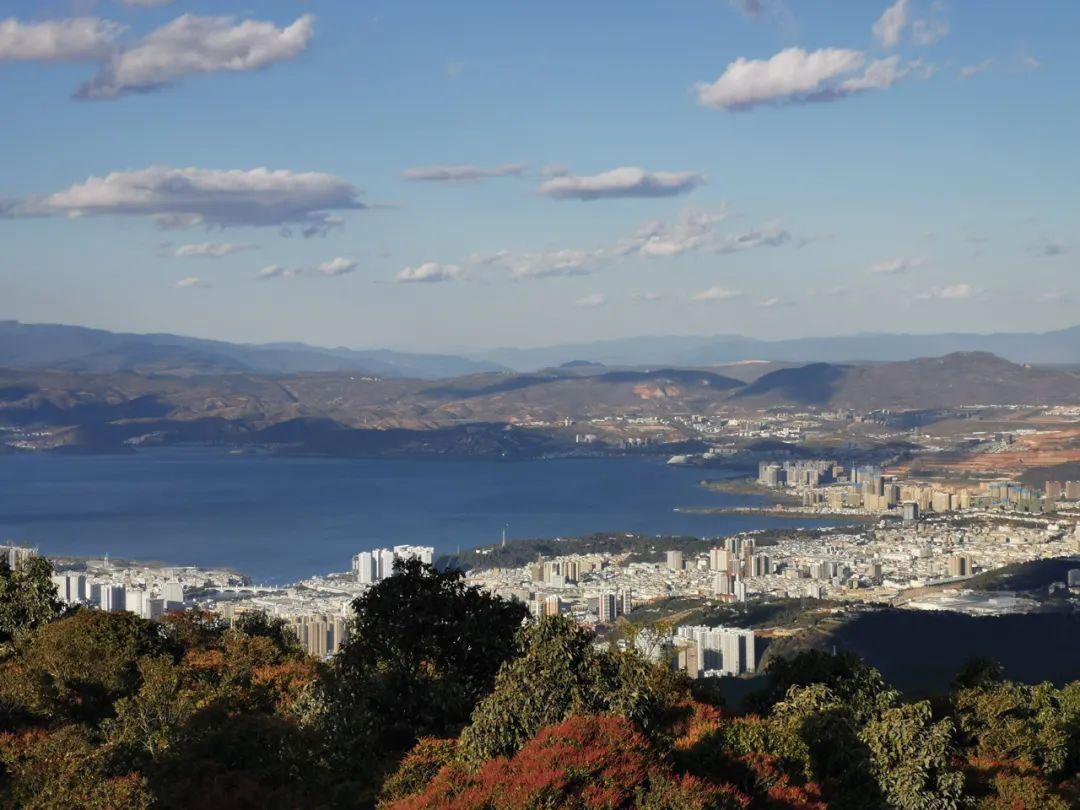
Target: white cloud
879, 75
967, 71
541, 265
891, 23
892, 267
191, 45
177, 198
928, 30
338, 266
952, 292
591, 301
276, 271
461, 174
716, 294
773, 303
211, 250
192, 282
626, 181
647, 296
925, 30
430, 273
696, 230
791, 75
455, 68
692, 230
76, 39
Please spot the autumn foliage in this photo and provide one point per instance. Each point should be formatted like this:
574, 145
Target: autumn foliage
589, 762
424, 710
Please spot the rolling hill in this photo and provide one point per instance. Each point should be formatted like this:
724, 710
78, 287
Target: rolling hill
76, 348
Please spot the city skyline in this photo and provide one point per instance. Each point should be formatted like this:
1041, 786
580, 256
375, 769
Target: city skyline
532, 176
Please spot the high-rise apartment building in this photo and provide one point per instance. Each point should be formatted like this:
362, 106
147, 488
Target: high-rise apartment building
319, 634
959, 565
723, 584
112, 597
608, 607
70, 587
173, 594
16, 554
716, 650
675, 560
373, 566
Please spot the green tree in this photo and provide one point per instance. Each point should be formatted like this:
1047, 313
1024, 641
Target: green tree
912, 759
561, 674
854, 683
28, 597
148, 722
424, 647
77, 667
816, 731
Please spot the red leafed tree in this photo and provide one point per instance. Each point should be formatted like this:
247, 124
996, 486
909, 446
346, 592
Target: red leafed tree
591, 762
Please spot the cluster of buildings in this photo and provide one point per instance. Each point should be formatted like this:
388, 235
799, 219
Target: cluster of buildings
373, 566
826, 485
150, 600
147, 591
13, 555
705, 652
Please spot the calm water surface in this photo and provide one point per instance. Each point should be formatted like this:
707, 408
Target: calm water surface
280, 518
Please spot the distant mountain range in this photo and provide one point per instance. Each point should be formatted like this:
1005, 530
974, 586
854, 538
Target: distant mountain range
1060, 347
335, 412
74, 348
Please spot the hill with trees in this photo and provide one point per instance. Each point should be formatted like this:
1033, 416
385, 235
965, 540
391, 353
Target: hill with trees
447, 697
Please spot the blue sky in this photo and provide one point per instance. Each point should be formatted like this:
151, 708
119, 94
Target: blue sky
858, 170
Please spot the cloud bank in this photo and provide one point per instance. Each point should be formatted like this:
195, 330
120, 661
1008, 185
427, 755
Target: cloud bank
795, 76
178, 198
210, 250
78, 39
626, 181
191, 45
461, 174
429, 273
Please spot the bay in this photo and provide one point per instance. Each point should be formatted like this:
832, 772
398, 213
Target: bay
279, 519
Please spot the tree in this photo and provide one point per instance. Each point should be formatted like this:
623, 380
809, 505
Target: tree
588, 762
424, 647
1039, 725
560, 674
77, 667
66, 769
854, 683
912, 759
817, 731
150, 721
28, 597
978, 672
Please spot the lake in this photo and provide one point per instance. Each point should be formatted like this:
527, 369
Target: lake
281, 518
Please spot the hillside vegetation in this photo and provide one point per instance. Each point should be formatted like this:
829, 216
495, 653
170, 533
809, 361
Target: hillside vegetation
443, 698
